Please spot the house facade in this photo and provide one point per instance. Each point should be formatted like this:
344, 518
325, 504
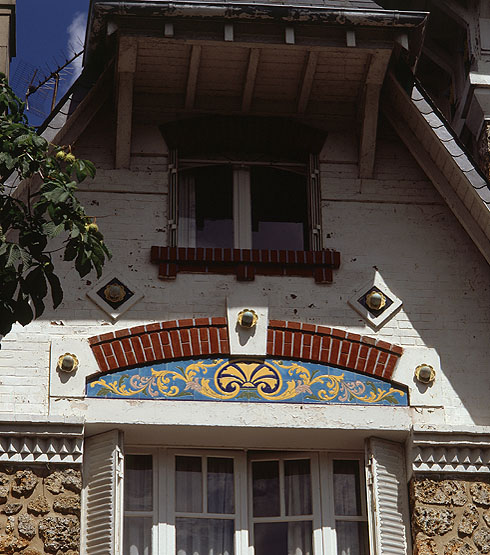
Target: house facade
287, 352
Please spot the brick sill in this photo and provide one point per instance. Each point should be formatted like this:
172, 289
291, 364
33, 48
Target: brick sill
245, 263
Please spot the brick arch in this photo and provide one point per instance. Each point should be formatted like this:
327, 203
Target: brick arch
198, 337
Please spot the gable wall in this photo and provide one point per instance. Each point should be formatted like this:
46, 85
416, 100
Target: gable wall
395, 224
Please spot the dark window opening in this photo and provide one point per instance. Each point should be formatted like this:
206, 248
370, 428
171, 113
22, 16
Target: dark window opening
214, 206
279, 210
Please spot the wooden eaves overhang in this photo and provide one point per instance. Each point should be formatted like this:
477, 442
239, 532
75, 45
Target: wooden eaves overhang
439, 153
318, 64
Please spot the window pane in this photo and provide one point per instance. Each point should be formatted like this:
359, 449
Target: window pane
279, 210
221, 494
283, 538
204, 536
298, 487
351, 538
137, 536
188, 484
265, 486
214, 206
138, 486
346, 487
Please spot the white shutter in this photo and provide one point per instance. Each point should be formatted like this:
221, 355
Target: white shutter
388, 506
102, 494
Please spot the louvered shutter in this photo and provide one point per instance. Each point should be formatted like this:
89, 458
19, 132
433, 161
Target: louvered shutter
102, 494
387, 498
173, 197
314, 204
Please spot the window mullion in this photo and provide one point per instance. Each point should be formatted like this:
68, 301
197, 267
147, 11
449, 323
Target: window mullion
164, 493
242, 208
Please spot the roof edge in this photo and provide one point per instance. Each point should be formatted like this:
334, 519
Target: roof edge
103, 9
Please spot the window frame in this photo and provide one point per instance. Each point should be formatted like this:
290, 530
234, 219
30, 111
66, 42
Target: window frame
324, 541
181, 230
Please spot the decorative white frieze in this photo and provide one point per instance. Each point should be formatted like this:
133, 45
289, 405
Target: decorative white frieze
461, 454
37, 446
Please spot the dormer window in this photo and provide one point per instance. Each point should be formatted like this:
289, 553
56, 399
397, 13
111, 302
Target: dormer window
244, 183
243, 206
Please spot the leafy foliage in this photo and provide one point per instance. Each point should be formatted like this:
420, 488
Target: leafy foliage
29, 225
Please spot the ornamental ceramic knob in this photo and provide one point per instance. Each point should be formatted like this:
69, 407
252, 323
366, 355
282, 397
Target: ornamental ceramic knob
375, 300
67, 363
247, 318
425, 373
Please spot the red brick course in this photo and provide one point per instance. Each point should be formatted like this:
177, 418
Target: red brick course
245, 263
201, 337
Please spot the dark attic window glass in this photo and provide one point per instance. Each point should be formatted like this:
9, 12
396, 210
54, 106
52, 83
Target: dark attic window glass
279, 211
214, 206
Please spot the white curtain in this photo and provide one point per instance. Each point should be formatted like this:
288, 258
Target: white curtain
186, 230
137, 536
204, 536
221, 497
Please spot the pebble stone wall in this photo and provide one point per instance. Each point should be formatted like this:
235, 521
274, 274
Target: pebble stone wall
450, 517
39, 510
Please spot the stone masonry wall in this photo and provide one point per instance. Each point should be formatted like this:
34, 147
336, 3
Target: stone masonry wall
450, 517
39, 510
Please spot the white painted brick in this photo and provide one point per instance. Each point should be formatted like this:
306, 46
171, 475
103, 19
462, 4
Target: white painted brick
397, 223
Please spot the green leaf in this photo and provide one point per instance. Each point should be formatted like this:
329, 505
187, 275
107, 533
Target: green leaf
71, 250
14, 255
57, 195
35, 283
53, 230
38, 306
103, 391
23, 312
56, 290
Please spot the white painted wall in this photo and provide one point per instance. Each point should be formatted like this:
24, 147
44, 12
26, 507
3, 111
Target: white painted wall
395, 224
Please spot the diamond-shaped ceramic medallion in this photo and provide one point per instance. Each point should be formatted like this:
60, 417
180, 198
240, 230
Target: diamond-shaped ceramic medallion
375, 302
114, 296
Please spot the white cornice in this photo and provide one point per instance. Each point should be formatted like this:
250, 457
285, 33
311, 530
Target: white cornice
41, 444
461, 453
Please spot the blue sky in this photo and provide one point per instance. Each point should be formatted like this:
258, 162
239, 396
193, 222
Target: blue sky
48, 32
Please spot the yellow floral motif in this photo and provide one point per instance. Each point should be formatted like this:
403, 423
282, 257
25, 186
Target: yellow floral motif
243, 379
334, 385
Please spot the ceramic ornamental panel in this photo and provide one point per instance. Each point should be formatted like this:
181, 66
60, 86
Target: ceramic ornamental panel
247, 380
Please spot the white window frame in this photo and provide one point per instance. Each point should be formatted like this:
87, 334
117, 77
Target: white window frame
323, 517
182, 200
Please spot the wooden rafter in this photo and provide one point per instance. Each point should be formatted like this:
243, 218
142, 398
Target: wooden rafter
126, 66
370, 106
248, 88
192, 75
307, 82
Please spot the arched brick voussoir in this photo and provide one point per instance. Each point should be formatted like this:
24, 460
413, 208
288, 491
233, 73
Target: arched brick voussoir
193, 337
314, 343
198, 337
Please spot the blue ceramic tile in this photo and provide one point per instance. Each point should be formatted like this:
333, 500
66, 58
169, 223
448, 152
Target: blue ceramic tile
247, 381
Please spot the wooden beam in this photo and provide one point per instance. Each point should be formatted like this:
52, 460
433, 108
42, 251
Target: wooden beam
126, 66
307, 82
370, 107
350, 38
248, 87
79, 120
229, 32
192, 74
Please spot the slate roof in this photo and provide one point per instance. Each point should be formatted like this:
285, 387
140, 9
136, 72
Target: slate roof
439, 152
448, 140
